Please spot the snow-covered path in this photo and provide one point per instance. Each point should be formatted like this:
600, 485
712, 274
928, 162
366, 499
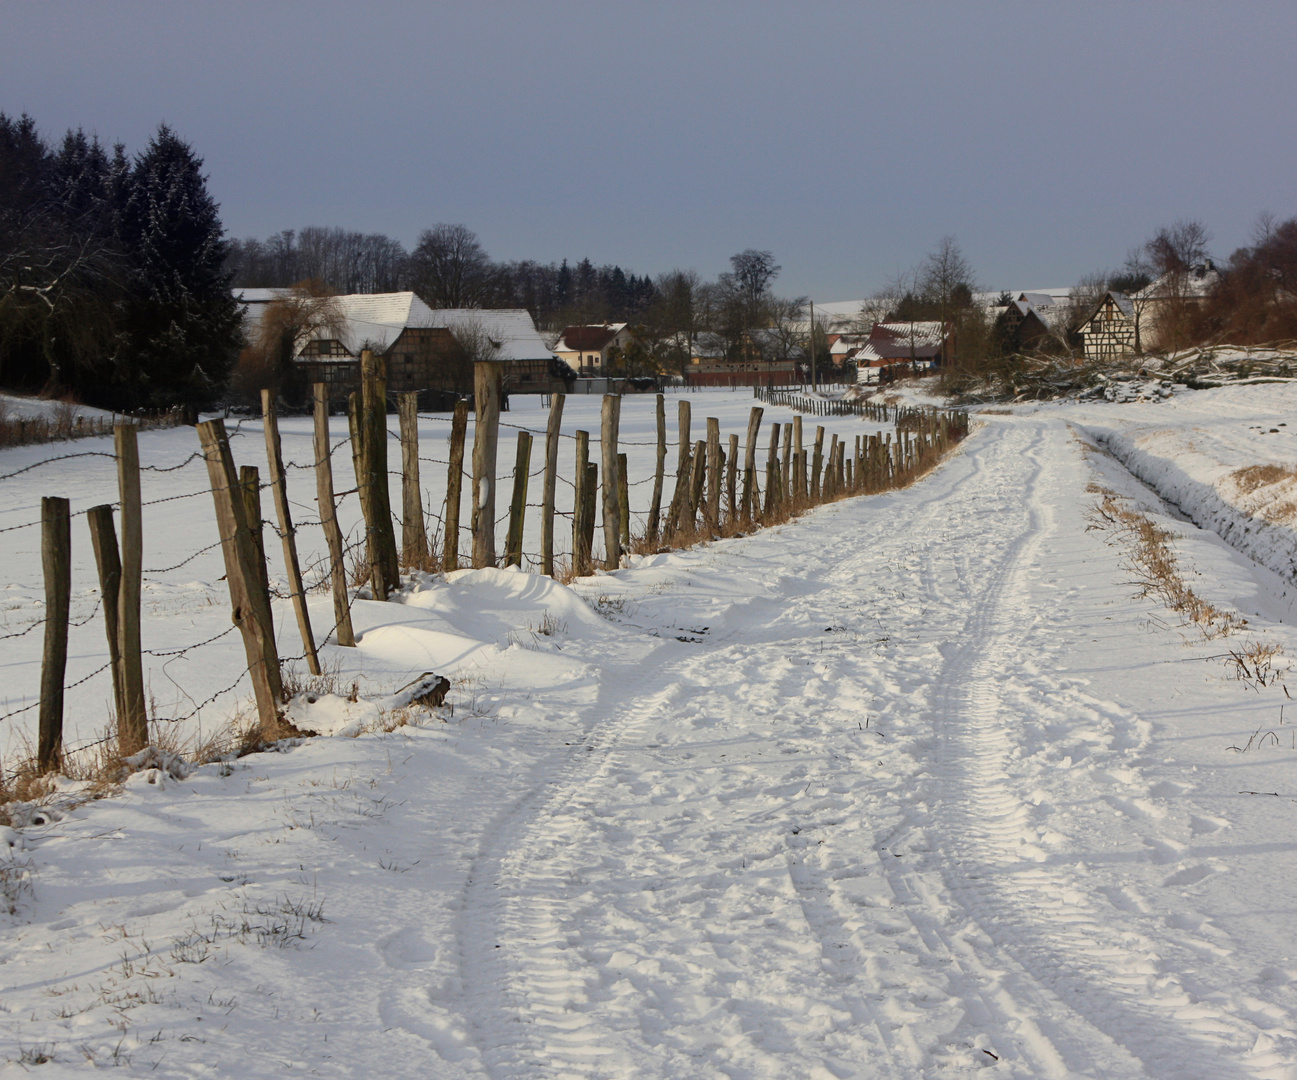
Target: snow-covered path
912, 787
819, 835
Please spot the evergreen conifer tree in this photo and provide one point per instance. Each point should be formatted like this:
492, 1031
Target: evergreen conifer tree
182, 326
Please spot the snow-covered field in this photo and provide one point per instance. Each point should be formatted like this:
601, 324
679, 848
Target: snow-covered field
913, 787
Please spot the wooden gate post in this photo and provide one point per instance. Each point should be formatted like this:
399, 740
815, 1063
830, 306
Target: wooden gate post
251, 608
103, 539
343, 632
287, 534
487, 384
518, 503
56, 561
132, 721
552, 433
610, 422
414, 532
454, 485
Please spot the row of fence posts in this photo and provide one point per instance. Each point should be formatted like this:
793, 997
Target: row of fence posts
817, 406
711, 498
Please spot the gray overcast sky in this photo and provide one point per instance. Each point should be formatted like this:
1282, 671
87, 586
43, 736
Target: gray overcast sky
845, 137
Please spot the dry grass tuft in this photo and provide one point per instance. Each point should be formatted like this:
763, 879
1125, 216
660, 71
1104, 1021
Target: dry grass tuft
1157, 572
1248, 479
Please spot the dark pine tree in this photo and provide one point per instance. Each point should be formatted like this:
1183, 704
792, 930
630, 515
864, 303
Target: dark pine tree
182, 324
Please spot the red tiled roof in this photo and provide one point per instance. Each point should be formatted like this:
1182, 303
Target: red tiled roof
587, 338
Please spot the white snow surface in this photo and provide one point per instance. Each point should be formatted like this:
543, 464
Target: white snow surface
915, 786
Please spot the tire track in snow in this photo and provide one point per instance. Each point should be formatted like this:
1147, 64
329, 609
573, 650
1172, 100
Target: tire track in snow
1031, 907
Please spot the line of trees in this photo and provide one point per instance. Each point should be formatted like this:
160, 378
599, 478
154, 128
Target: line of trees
113, 284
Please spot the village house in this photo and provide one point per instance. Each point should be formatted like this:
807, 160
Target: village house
901, 348
587, 349
427, 350
1108, 332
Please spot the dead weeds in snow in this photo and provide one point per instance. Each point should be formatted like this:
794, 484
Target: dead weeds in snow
1157, 571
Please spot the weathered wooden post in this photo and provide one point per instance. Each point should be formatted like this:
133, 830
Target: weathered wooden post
251, 607
623, 499
552, 433
518, 503
589, 497
103, 539
487, 384
817, 463
610, 421
343, 632
713, 514
580, 549
697, 484
773, 495
655, 506
287, 534
56, 561
799, 460
785, 470
250, 489
731, 475
132, 721
830, 473
414, 532
374, 491
750, 507
454, 486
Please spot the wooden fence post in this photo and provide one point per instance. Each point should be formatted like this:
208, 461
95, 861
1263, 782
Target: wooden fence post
375, 493
487, 379
580, 552
785, 469
250, 489
454, 486
56, 561
342, 629
610, 421
697, 484
731, 474
799, 460
357, 428
589, 496
414, 532
552, 433
518, 503
713, 474
623, 500
251, 608
132, 721
103, 539
817, 463
750, 463
655, 506
680, 497
287, 534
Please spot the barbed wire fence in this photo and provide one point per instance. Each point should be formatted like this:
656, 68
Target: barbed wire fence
715, 494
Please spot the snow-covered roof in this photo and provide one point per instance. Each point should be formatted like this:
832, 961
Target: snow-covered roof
1194, 282
902, 341
511, 329
375, 320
